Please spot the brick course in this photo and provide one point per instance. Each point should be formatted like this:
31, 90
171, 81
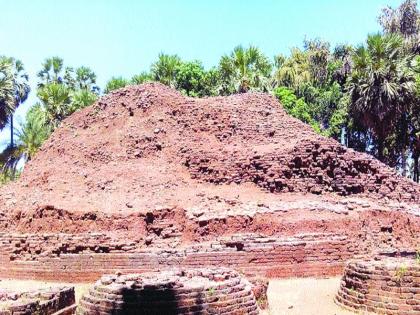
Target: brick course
388, 286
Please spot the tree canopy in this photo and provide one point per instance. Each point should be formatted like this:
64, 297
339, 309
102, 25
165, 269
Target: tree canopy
366, 96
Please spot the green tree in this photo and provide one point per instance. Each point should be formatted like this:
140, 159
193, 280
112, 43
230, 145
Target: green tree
21, 89
115, 83
189, 78
403, 20
33, 133
7, 104
81, 99
51, 72
86, 80
141, 78
293, 72
381, 83
56, 99
165, 68
243, 70
295, 106
211, 82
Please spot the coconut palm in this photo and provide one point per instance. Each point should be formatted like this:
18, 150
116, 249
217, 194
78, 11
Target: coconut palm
381, 84
244, 70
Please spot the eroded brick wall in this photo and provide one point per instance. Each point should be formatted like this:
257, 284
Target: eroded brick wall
200, 291
304, 255
311, 166
49, 301
388, 286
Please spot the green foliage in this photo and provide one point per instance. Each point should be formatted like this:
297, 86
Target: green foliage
56, 99
189, 78
380, 86
293, 72
243, 70
33, 132
295, 107
7, 104
165, 68
142, 78
115, 83
403, 20
8, 175
52, 71
372, 92
81, 99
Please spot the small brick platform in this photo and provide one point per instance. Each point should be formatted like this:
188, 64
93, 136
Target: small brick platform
193, 291
387, 286
49, 301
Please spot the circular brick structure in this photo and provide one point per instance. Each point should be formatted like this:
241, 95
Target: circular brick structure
194, 291
386, 286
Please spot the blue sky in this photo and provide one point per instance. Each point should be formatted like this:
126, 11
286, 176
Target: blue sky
123, 37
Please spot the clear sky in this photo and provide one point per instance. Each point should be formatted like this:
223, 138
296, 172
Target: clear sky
123, 37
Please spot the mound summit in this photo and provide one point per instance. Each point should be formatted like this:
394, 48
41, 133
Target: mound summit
148, 168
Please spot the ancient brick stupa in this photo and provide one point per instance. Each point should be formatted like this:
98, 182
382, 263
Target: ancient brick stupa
386, 285
148, 179
191, 291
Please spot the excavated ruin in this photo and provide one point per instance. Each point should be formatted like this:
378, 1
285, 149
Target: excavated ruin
193, 291
45, 301
148, 179
387, 286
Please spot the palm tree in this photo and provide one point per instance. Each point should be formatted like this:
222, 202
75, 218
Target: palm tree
141, 78
21, 89
7, 104
86, 79
165, 68
81, 99
56, 99
115, 83
51, 71
243, 70
380, 86
33, 133
293, 72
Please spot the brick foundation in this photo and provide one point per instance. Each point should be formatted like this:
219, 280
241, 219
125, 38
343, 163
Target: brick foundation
304, 255
49, 301
388, 286
192, 291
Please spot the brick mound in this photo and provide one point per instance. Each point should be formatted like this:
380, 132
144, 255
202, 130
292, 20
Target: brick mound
148, 179
47, 301
192, 291
388, 286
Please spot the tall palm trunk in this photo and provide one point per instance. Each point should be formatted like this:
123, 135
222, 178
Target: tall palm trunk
11, 131
381, 149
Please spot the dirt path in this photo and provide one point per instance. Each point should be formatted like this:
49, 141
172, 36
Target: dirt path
304, 296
